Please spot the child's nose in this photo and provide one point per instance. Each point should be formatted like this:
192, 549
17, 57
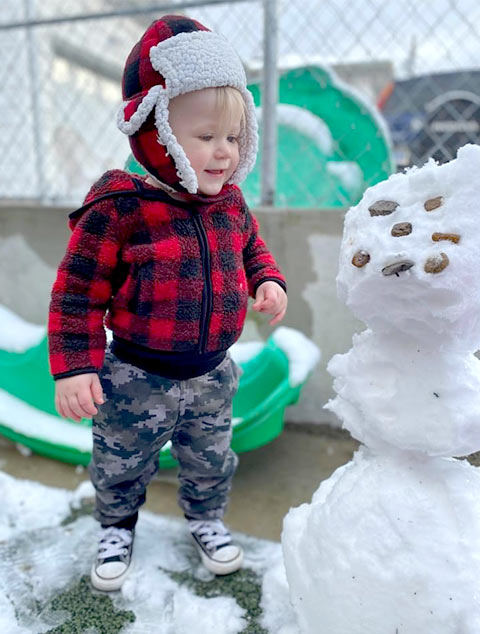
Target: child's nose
222, 149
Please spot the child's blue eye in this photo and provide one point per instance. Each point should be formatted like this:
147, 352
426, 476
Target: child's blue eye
232, 139
206, 137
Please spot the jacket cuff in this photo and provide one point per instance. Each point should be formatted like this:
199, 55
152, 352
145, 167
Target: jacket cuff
270, 279
65, 375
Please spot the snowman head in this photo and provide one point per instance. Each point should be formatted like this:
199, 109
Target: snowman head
410, 257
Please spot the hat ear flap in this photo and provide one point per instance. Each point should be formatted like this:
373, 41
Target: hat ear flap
134, 112
151, 154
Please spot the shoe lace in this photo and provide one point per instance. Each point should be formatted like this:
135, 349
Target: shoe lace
114, 542
211, 532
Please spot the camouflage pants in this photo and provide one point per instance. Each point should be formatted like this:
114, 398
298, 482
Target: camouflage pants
143, 411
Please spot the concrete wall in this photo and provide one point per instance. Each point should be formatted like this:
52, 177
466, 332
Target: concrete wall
305, 243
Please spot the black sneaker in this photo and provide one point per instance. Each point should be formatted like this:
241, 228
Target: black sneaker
214, 544
113, 559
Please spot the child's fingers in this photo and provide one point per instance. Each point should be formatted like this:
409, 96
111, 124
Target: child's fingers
74, 409
65, 408
258, 302
96, 389
266, 306
88, 408
86, 404
278, 317
58, 406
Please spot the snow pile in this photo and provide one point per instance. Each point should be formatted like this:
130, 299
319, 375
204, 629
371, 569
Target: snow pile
388, 545
41, 559
391, 541
16, 334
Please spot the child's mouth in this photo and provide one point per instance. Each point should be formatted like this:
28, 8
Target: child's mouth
215, 172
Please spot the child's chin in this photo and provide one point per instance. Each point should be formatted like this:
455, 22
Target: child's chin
211, 190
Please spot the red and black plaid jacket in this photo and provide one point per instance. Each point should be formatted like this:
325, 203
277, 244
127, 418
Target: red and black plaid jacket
171, 276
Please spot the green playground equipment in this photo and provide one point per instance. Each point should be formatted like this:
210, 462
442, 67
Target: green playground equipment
28, 417
332, 143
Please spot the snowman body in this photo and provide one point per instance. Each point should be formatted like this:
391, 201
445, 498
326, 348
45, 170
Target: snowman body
390, 544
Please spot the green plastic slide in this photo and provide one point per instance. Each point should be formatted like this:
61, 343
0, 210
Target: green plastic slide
28, 417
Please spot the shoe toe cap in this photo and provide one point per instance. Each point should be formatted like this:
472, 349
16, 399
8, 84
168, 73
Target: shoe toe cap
227, 553
111, 569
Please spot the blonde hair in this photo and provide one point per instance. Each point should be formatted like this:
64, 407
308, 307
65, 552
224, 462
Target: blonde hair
229, 102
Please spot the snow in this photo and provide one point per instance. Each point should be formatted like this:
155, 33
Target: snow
40, 558
391, 541
348, 172
303, 355
245, 351
417, 354
425, 306
305, 122
16, 334
391, 544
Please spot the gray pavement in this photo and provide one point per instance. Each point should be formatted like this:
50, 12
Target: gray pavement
268, 481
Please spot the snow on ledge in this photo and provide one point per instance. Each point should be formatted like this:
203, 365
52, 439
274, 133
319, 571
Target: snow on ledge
16, 334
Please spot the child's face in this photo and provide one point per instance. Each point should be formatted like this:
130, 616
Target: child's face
208, 136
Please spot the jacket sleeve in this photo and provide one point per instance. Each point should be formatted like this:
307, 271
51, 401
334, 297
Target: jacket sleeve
260, 266
82, 291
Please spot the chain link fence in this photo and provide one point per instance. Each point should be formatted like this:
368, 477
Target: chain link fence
364, 87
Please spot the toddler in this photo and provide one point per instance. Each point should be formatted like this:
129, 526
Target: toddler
168, 260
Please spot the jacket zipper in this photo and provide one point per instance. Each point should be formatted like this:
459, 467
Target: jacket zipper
207, 293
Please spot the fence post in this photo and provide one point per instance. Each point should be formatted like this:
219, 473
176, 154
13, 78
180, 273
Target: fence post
269, 102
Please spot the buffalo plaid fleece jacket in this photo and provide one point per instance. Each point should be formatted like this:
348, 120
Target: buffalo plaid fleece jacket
170, 276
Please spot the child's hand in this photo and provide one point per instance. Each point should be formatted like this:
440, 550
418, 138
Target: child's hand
75, 396
271, 298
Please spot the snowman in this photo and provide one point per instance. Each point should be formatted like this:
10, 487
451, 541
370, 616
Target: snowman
390, 543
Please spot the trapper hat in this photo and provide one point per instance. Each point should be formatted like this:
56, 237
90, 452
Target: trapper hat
174, 56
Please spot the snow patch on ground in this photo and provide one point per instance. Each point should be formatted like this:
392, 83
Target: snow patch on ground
44, 550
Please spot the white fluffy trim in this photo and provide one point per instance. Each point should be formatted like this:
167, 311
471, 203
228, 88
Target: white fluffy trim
139, 117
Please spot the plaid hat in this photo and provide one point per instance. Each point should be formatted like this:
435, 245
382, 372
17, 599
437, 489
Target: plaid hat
174, 56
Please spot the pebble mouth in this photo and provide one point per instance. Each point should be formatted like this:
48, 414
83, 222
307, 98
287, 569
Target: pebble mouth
397, 267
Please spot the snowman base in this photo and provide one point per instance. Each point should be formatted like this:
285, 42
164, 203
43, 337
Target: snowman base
390, 544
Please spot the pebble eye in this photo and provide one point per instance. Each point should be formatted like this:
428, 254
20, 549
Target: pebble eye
382, 208
360, 259
433, 203
437, 263
401, 229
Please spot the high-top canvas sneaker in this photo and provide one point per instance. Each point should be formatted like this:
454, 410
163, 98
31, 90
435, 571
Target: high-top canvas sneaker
214, 544
113, 558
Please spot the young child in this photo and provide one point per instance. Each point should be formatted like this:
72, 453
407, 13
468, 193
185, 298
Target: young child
170, 258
